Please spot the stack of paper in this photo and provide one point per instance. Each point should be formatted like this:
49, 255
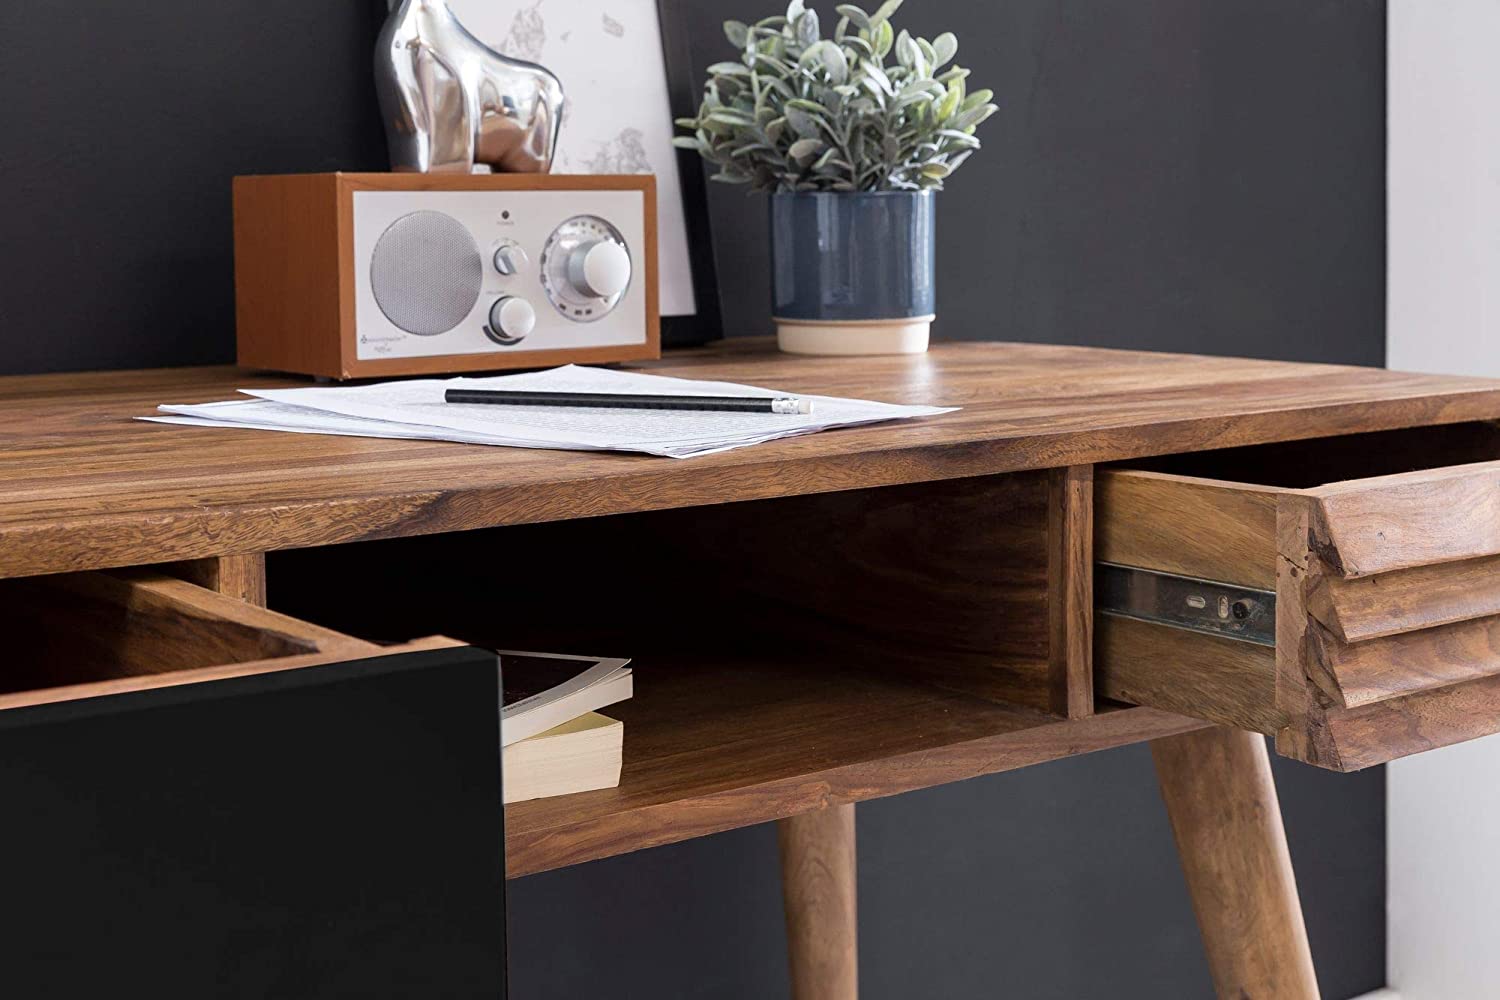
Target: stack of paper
416, 410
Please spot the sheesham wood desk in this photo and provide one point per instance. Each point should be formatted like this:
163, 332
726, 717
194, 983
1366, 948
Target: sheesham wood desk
943, 622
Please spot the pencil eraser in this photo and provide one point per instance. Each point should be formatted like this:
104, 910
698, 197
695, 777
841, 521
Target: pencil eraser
804, 406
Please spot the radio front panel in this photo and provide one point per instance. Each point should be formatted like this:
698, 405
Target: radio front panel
440, 273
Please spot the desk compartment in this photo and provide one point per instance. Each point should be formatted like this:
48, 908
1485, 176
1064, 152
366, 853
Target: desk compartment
1381, 555
788, 653
79, 635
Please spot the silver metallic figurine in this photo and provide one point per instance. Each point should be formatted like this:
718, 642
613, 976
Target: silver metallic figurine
450, 102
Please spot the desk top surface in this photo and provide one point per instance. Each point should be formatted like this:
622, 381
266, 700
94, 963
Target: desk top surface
83, 485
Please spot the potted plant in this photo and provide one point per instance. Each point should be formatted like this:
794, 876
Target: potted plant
851, 150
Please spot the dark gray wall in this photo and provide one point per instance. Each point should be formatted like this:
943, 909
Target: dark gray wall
1200, 175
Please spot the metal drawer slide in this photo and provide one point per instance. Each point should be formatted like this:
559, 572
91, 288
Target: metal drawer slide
1223, 609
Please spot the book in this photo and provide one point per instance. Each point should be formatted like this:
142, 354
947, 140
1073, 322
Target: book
545, 690
578, 756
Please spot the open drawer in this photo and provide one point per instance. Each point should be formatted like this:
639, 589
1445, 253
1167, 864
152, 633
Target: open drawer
1342, 595
81, 635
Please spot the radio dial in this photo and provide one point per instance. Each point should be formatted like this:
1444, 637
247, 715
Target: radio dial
511, 320
600, 269
585, 268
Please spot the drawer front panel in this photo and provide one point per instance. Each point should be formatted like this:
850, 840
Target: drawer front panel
1388, 608
1390, 523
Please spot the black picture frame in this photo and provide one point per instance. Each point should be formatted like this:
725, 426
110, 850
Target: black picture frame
683, 93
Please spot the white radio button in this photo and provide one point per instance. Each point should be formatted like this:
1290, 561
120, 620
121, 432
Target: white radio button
511, 320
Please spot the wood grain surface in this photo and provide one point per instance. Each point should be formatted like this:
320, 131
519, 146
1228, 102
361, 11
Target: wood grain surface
202, 675
1371, 607
74, 634
1070, 591
1220, 680
83, 485
773, 738
73, 628
1412, 519
945, 580
1383, 731
1386, 595
818, 891
242, 576
1360, 673
1186, 526
1221, 799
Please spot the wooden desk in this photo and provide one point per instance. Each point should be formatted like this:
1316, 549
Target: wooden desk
940, 620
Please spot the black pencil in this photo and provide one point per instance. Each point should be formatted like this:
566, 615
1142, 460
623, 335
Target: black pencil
630, 401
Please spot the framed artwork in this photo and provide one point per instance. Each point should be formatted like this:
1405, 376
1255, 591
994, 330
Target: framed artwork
626, 74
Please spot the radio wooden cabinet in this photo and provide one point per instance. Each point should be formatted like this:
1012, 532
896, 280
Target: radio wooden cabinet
362, 275
1100, 548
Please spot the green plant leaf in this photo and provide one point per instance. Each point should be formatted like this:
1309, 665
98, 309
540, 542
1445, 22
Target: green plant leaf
805, 27
763, 61
737, 32
805, 150
944, 48
967, 120
836, 63
687, 142
877, 76
977, 98
854, 15
948, 105
802, 123
884, 12
857, 48
730, 116
958, 138
884, 36
830, 161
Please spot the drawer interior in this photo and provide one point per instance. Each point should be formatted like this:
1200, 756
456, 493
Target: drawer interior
1377, 558
1321, 461
80, 634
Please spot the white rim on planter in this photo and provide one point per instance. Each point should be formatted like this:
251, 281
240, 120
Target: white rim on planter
846, 337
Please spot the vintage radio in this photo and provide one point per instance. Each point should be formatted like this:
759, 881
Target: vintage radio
371, 275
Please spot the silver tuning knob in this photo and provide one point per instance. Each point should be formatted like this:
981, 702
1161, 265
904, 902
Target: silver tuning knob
600, 269
586, 268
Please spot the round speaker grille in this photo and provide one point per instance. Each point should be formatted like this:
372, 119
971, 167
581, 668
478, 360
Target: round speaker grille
426, 273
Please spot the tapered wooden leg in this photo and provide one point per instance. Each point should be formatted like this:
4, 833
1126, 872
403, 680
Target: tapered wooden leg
1222, 803
817, 884
239, 576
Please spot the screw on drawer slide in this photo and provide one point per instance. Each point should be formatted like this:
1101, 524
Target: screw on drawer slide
1222, 609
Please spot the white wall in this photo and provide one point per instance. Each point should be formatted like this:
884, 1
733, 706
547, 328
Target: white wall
1443, 315
1443, 300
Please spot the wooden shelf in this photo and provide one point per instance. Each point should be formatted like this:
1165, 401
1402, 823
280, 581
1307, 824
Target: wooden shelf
713, 747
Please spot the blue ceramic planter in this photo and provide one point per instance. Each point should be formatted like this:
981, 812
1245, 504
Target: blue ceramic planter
852, 273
